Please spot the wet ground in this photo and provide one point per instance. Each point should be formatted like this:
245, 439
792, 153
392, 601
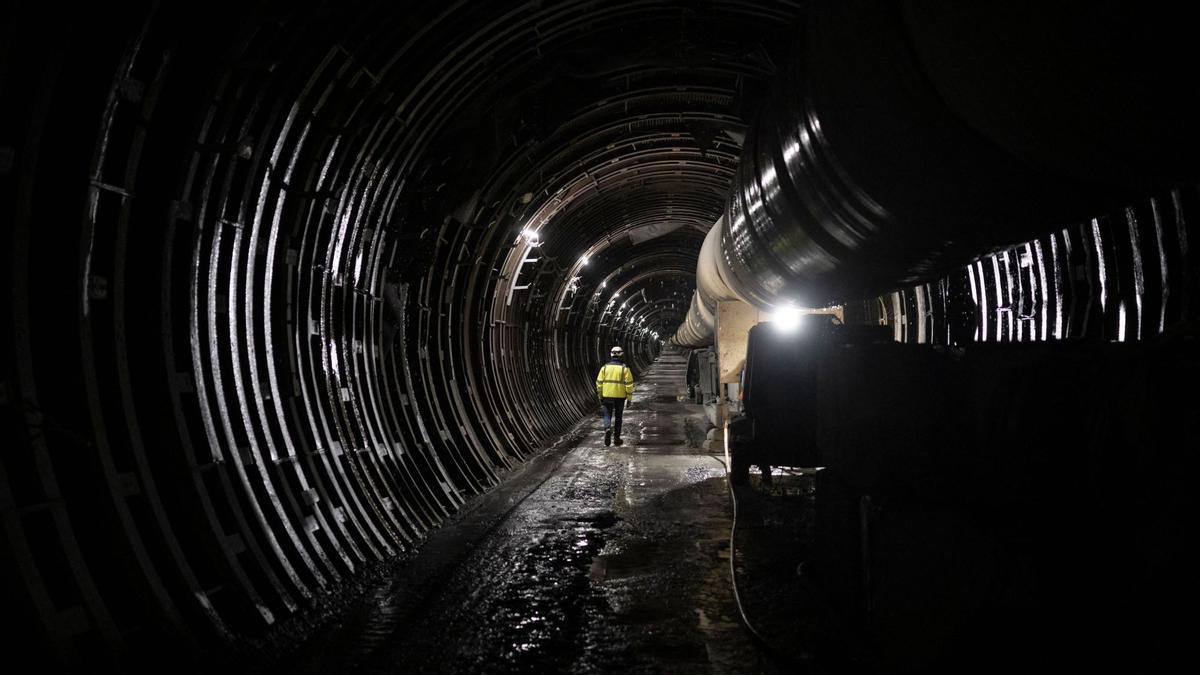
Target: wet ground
588, 559
617, 559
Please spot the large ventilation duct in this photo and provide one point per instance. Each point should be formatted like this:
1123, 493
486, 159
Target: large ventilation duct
712, 287
907, 139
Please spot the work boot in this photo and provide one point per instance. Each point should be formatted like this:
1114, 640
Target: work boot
618, 441
608, 437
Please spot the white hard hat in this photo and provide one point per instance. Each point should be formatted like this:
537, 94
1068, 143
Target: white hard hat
617, 351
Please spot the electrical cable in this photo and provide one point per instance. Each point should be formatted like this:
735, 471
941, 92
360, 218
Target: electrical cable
781, 659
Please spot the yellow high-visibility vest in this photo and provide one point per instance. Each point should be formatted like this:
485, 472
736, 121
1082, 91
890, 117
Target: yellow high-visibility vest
614, 381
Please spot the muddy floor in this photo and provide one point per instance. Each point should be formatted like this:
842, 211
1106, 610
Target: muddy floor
589, 559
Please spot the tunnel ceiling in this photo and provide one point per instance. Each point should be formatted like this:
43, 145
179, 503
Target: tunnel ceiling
289, 283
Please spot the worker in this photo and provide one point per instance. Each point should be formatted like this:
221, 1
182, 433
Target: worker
614, 387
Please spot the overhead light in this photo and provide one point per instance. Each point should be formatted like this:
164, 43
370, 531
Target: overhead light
530, 236
786, 319
583, 261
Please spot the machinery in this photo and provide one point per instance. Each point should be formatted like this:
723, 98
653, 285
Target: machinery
1013, 492
779, 392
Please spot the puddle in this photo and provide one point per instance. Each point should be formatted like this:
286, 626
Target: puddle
660, 435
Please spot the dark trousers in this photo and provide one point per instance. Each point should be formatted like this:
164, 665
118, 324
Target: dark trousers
613, 409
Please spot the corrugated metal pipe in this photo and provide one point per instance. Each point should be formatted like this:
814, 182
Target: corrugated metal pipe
907, 139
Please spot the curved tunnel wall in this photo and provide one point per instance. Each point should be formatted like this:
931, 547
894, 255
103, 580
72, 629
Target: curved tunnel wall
273, 314
1125, 276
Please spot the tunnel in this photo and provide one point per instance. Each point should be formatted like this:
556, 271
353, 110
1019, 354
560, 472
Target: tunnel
289, 286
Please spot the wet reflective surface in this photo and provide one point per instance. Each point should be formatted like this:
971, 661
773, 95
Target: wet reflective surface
589, 559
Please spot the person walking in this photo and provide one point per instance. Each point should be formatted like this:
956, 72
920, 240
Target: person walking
614, 387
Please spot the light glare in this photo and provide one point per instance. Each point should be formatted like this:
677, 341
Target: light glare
786, 319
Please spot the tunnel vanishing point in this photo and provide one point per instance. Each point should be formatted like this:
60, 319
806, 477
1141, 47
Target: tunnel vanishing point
286, 285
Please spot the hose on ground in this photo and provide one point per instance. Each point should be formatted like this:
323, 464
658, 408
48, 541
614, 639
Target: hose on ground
781, 659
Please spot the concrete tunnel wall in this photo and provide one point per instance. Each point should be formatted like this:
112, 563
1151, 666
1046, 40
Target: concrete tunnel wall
287, 285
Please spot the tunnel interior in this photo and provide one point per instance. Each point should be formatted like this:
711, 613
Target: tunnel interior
290, 284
